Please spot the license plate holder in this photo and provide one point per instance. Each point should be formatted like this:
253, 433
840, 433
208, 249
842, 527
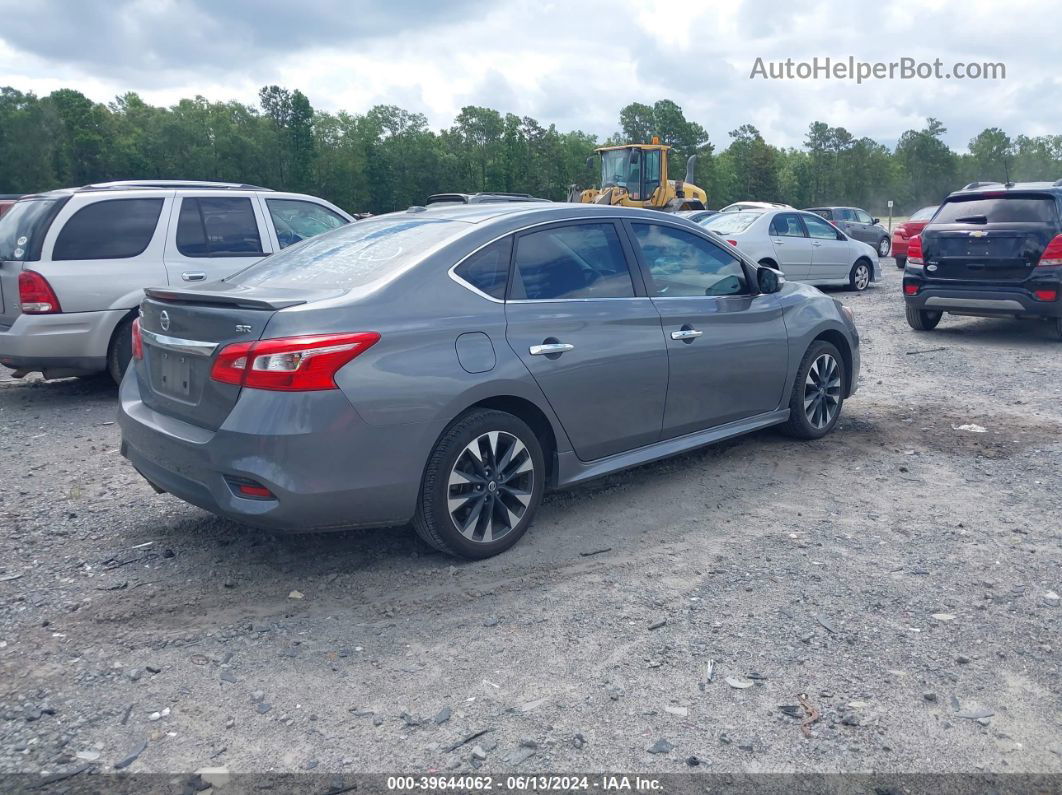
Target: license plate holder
175, 374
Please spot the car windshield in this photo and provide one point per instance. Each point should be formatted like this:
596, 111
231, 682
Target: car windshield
731, 223
924, 214
354, 255
998, 209
20, 226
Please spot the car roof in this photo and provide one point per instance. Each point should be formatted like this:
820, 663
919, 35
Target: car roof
975, 188
140, 186
479, 213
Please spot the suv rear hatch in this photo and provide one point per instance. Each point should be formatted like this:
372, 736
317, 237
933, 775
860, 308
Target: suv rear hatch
22, 231
989, 238
182, 332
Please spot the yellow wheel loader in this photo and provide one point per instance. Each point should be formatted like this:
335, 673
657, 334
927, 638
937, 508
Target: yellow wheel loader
635, 175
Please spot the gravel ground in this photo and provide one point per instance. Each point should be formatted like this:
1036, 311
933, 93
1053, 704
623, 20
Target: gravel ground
902, 573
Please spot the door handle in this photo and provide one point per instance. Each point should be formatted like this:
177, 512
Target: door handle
194, 276
549, 348
777, 242
816, 243
686, 334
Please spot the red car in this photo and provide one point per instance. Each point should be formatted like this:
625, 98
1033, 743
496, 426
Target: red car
908, 229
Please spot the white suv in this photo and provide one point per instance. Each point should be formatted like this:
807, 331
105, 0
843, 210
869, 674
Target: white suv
74, 263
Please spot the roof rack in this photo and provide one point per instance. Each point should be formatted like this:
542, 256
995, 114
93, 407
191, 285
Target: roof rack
171, 183
973, 185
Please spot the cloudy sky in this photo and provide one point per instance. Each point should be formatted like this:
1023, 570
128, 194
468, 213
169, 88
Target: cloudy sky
573, 63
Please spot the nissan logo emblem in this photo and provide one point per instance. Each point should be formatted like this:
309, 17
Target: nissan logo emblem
164, 320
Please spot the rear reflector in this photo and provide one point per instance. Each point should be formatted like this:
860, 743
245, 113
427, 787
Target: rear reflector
290, 364
1046, 295
245, 487
36, 296
910, 289
254, 491
914, 250
1052, 256
138, 341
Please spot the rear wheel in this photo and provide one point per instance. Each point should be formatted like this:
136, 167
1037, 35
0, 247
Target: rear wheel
121, 350
883, 247
901, 262
818, 393
482, 485
1057, 322
859, 278
921, 320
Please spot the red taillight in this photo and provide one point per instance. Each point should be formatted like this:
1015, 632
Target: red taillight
36, 295
290, 364
138, 342
1052, 256
732, 242
910, 289
914, 250
1046, 295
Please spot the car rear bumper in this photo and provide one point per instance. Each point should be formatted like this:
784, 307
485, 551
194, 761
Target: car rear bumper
981, 301
325, 466
899, 246
66, 343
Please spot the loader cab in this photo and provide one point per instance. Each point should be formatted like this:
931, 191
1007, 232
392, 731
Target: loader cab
639, 170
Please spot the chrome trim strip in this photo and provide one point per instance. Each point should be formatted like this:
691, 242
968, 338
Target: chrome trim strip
974, 303
178, 345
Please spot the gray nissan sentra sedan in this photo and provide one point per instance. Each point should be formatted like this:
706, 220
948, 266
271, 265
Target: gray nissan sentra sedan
446, 366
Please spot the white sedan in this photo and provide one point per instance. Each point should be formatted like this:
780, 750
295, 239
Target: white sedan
804, 246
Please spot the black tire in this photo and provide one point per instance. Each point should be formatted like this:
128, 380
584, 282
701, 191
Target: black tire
861, 275
121, 351
800, 424
434, 522
921, 320
901, 262
884, 246
1056, 324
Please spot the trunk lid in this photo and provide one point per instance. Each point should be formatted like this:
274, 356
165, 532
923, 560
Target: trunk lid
995, 240
182, 333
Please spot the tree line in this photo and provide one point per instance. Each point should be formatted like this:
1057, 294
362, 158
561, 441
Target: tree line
389, 158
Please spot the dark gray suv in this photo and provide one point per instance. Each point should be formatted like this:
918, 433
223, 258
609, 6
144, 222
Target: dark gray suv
445, 366
857, 224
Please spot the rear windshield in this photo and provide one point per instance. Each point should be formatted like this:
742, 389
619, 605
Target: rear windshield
22, 226
731, 223
1000, 209
352, 256
924, 214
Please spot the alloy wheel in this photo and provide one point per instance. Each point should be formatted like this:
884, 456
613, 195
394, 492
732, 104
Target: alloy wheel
862, 277
883, 247
822, 391
490, 486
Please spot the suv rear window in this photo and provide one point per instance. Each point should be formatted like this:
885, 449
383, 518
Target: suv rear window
23, 227
998, 209
352, 256
112, 229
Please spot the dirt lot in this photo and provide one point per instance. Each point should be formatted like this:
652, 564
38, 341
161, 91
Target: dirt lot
901, 573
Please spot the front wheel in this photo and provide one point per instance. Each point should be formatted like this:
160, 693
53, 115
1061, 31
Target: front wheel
482, 485
921, 320
859, 278
883, 247
818, 393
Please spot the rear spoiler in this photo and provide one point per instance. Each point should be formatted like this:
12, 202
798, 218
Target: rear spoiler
225, 297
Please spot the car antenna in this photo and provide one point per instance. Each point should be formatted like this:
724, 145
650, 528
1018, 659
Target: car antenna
1006, 172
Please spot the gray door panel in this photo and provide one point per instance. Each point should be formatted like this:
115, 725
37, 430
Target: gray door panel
608, 389
736, 368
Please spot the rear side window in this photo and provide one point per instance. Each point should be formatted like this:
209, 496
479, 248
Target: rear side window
488, 269
295, 220
1001, 209
787, 225
23, 227
111, 229
566, 262
827, 214
218, 227
355, 255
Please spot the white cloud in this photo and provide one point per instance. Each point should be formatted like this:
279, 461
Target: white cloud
571, 64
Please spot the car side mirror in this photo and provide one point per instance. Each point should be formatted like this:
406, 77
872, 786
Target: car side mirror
769, 280
877, 220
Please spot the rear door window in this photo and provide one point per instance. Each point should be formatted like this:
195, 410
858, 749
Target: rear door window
295, 220
23, 227
110, 229
568, 262
1001, 209
218, 227
787, 225
843, 214
488, 269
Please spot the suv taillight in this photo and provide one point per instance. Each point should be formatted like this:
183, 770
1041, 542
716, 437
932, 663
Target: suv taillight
914, 250
138, 341
1052, 256
290, 364
35, 295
